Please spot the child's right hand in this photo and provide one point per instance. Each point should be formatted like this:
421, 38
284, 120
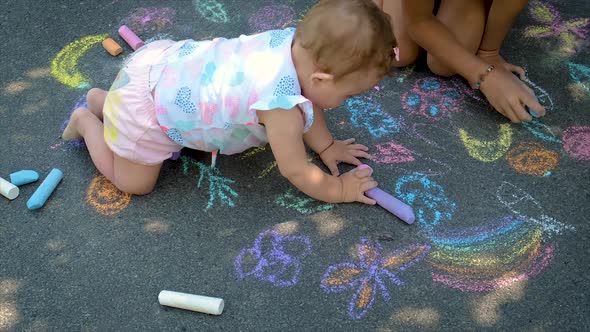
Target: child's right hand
509, 95
354, 185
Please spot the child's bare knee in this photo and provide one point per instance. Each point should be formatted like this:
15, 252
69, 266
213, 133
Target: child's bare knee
135, 188
438, 68
92, 93
95, 96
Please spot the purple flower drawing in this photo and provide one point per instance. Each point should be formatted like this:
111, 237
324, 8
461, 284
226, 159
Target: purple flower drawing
274, 258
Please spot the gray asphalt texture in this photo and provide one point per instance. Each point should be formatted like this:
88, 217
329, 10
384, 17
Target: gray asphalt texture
94, 260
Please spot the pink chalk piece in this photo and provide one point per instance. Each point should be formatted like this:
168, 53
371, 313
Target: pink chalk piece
390, 203
130, 37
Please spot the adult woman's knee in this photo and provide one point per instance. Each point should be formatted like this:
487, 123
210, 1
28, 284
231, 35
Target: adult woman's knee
437, 67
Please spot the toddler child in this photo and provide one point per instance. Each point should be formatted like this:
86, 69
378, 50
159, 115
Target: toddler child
229, 95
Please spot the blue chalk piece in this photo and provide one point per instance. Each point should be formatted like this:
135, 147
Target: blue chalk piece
23, 177
531, 112
45, 189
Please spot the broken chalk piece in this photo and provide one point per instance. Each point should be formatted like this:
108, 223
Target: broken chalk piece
42, 193
204, 304
130, 37
112, 47
8, 189
23, 177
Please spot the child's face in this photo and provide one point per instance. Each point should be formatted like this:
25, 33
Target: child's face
329, 93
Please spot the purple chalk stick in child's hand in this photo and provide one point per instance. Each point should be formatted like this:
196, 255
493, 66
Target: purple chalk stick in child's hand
390, 203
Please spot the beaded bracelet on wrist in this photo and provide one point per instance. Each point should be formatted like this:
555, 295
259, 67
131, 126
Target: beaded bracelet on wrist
483, 76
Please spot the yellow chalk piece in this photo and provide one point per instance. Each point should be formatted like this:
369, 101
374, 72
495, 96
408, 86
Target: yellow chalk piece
488, 151
64, 65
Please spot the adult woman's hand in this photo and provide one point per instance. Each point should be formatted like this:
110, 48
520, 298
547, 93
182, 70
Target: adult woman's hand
509, 95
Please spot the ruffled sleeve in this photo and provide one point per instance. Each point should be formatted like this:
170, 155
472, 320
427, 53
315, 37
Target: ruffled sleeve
287, 102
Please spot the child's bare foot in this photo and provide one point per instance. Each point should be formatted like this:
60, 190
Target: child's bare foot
71, 131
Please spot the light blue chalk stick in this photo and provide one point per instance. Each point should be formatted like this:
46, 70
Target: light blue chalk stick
23, 177
45, 189
531, 112
535, 114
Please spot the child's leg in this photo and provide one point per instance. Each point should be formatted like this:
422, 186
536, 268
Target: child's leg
465, 19
95, 99
408, 48
135, 178
128, 176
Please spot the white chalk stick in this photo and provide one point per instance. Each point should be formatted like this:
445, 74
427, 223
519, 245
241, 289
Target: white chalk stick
204, 304
8, 190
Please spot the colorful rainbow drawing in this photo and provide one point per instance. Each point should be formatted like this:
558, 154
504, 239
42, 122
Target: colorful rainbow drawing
497, 255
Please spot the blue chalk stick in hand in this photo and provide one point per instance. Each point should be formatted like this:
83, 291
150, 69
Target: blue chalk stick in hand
23, 177
531, 112
42, 193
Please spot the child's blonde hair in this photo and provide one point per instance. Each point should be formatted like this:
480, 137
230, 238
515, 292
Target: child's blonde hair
344, 36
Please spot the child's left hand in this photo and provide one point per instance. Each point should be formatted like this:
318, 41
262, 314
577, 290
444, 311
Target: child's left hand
343, 151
